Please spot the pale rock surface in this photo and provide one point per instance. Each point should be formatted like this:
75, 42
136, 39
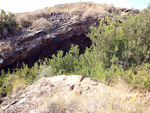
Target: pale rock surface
31, 98
71, 94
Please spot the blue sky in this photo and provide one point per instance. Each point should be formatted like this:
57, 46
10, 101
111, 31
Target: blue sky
31, 5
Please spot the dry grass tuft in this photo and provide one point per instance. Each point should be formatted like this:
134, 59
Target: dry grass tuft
87, 8
7, 47
42, 24
94, 12
14, 83
105, 100
74, 7
78, 7
26, 19
1, 43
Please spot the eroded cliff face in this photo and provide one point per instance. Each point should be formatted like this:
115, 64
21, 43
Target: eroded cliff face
35, 45
68, 28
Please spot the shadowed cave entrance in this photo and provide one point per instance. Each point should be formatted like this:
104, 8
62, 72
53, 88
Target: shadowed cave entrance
48, 50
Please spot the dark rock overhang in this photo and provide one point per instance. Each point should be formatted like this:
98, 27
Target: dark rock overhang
32, 45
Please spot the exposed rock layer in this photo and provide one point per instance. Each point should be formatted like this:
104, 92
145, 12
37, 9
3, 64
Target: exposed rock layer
39, 44
31, 45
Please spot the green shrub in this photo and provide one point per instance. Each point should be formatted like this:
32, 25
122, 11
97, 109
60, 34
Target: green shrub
8, 24
66, 64
138, 76
21, 78
105, 43
126, 44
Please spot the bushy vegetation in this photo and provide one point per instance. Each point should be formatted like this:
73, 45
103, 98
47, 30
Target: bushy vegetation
8, 24
20, 78
118, 51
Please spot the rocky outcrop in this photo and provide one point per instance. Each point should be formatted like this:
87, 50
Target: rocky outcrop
32, 45
73, 94
29, 99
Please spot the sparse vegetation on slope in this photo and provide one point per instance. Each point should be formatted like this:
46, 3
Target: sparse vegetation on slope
118, 51
8, 24
104, 101
28, 19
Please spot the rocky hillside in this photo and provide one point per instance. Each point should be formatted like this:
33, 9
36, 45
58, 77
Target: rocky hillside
44, 32
74, 94
118, 61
